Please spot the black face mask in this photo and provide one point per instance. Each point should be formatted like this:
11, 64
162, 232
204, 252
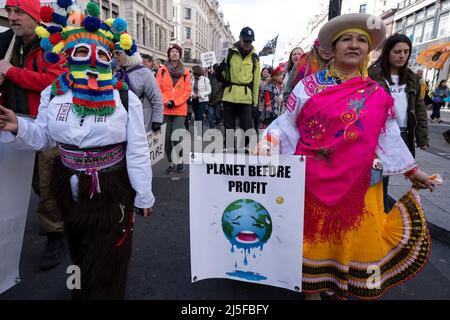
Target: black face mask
242, 50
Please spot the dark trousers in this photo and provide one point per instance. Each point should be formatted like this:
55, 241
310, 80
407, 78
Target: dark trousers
233, 111
187, 121
214, 114
199, 109
436, 110
173, 123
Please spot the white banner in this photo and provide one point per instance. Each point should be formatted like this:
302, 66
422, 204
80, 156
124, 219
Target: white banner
225, 47
156, 144
16, 172
246, 220
208, 59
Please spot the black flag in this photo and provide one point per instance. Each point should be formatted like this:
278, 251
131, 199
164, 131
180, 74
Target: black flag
269, 48
334, 9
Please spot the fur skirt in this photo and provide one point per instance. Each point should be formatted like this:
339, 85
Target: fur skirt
98, 230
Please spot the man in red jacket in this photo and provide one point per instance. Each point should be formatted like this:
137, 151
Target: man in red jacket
22, 80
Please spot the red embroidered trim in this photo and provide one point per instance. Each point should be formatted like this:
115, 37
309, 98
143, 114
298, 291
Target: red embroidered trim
411, 172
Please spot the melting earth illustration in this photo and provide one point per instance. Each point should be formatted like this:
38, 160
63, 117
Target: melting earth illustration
248, 226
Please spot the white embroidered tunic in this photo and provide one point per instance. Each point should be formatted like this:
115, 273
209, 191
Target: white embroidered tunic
57, 123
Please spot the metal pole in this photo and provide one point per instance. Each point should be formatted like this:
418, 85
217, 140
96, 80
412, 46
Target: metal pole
335, 9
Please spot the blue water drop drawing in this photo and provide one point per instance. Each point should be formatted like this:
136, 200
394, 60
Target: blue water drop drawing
251, 276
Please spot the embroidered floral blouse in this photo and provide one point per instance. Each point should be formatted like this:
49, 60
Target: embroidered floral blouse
392, 152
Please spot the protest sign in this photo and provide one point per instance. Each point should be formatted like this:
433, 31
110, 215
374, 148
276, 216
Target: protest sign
225, 47
16, 172
208, 59
247, 220
156, 144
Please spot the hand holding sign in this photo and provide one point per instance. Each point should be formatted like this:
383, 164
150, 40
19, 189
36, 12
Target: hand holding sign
269, 146
8, 120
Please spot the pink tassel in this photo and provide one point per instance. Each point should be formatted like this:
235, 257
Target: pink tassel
95, 183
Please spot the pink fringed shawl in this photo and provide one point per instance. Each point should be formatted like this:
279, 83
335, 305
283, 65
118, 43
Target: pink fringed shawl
339, 130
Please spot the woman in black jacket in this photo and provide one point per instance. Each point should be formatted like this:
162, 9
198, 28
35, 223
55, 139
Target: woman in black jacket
391, 71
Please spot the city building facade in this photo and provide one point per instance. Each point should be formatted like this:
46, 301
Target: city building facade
375, 7
199, 27
427, 23
385, 9
388, 18
312, 30
220, 34
150, 22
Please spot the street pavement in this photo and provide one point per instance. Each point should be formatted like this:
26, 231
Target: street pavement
438, 145
436, 159
160, 265
445, 114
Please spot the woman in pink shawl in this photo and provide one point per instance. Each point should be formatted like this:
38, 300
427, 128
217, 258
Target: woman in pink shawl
345, 124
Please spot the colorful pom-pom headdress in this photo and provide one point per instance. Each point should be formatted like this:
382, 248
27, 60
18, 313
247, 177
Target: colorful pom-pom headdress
65, 29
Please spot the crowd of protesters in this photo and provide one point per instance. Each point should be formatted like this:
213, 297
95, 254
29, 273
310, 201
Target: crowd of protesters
157, 94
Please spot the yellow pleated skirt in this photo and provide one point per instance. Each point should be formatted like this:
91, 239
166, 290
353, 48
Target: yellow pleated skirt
384, 251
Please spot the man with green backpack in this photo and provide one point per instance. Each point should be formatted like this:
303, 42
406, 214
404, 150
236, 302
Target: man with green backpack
240, 73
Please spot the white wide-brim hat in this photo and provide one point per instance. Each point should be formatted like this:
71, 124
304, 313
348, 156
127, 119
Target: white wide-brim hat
373, 26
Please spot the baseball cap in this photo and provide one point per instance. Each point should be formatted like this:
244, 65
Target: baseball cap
247, 34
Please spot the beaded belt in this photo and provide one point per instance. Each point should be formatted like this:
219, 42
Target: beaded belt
92, 162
